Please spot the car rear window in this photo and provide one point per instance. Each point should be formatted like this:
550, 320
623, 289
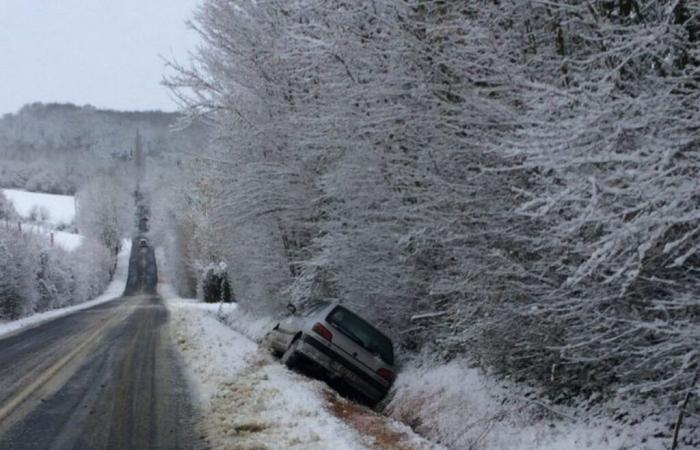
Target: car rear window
314, 308
362, 332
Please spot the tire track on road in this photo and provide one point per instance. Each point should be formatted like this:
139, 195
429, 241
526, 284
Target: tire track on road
20, 403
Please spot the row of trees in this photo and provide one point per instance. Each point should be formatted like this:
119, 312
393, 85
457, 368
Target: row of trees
515, 181
56, 148
36, 277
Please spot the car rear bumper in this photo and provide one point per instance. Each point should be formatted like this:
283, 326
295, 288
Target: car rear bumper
341, 367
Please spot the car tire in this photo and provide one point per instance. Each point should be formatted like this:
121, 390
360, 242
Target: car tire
290, 358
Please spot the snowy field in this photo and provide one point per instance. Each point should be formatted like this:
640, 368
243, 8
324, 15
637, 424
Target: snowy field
114, 290
59, 210
68, 241
247, 399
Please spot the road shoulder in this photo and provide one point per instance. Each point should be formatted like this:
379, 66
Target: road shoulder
249, 400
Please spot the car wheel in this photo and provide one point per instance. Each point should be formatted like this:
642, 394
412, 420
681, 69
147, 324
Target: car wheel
290, 358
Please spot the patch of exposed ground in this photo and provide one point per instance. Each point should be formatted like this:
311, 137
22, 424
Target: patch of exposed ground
383, 433
267, 407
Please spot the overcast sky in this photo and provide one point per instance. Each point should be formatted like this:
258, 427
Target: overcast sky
102, 52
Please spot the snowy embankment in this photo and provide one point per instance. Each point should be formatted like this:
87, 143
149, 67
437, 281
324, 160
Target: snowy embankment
53, 211
466, 409
113, 290
462, 408
249, 400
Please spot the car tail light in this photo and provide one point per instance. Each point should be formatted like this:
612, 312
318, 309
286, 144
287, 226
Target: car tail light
322, 331
387, 374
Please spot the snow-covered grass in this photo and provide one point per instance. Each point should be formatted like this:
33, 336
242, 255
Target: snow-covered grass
113, 290
211, 352
60, 208
245, 399
463, 408
252, 326
67, 241
249, 400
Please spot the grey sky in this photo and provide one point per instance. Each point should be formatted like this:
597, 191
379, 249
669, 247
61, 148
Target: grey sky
101, 52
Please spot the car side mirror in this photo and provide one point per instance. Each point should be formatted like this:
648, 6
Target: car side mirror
291, 308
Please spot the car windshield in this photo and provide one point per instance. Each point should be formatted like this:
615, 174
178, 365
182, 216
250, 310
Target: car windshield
362, 332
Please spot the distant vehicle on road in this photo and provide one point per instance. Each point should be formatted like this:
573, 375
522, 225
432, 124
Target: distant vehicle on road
339, 342
143, 242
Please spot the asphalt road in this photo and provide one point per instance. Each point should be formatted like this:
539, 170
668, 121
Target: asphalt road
103, 378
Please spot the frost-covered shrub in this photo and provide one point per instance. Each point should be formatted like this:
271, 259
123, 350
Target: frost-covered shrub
55, 280
7, 210
93, 265
39, 214
462, 407
18, 258
42, 174
36, 277
517, 181
214, 285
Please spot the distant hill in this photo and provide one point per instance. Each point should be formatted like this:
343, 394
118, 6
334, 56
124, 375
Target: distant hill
52, 147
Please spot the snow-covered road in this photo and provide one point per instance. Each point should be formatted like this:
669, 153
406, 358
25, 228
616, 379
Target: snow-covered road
247, 399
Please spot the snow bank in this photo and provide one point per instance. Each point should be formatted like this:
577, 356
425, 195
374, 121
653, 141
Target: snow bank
113, 290
249, 400
212, 353
252, 326
60, 208
246, 399
465, 409
267, 406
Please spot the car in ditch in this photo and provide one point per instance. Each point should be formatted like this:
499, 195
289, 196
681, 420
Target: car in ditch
343, 345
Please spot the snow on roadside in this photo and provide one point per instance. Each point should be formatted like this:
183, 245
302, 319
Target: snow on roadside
247, 400
113, 290
379, 430
463, 408
211, 351
253, 327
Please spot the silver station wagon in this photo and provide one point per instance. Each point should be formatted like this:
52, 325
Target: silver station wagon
341, 343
